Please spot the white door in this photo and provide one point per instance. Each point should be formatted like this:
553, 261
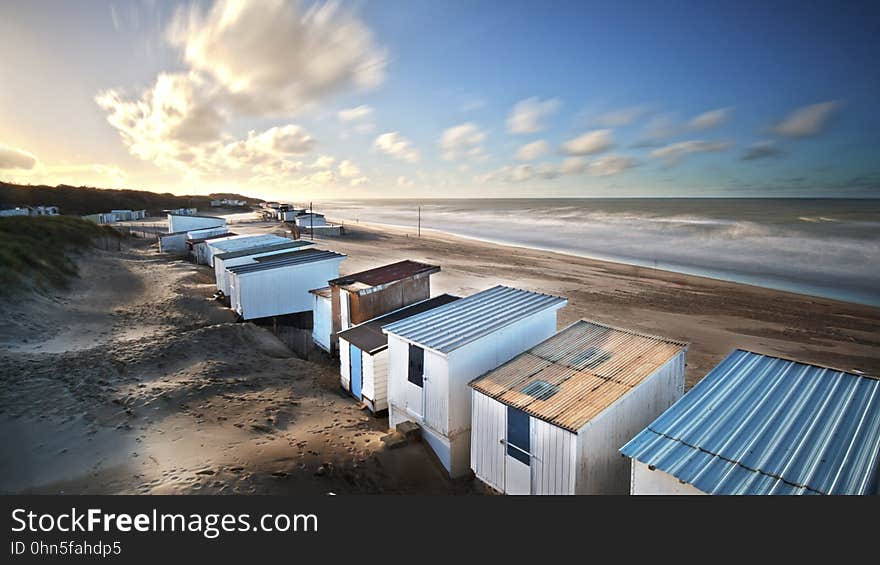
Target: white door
518, 458
344, 308
415, 384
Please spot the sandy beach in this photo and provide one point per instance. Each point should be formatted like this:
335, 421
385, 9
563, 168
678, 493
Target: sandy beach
135, 381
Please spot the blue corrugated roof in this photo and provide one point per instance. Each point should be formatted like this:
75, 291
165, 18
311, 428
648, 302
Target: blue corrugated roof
449, 327
758, 424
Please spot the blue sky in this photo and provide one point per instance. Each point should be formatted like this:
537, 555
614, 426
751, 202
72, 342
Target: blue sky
385, 98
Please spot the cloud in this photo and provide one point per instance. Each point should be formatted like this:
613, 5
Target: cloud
762, 150
533, 150
675, 152
323, 177
347, 169
608, 165
404, 182
323, 162
619, 118
355, 114
397, 146
462, 142
710, 119
589, 143
527, 116
572, 166
12, 158
360, 181
807, 120
276, 57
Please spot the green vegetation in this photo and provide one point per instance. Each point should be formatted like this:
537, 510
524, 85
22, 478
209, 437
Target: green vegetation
84, 200
36, 249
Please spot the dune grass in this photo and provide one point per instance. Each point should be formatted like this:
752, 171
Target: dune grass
35, 251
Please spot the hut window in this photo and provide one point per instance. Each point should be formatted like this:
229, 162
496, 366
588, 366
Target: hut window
540, 390
590, 358
416, 365
518, 436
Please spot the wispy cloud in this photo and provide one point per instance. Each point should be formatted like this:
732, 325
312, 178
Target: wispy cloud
464, 141
358, 113
13, 158
533, 150
397, 146
589, 143
807, 120
762, 150
608, 165
621, 117
528, 116
710, 119
674, 153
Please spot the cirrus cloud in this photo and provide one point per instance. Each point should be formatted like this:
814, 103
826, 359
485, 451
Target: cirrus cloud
807, 120
527, 116
462, 141
675, 152
589, 143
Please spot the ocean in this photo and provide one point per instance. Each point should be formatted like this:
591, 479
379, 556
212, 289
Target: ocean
821, 247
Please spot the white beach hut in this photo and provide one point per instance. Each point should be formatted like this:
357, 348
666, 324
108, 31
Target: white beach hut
277, 288
180, 223
433, 356
223, 261
550, 421
308, 219
363, 353
759, 424
238, 243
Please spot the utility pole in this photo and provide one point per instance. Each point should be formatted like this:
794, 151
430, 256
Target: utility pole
312, 220
420, 221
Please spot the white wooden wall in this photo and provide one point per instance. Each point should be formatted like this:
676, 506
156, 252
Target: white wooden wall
601, 467
175, 243
487, 451
345, 364
380, 380
647, 482
555, 458
189, 223
221, 266
487, 353
283, 290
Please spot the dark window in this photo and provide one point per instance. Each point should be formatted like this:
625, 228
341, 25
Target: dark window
541, 390
590, 358
518, 441
416, 365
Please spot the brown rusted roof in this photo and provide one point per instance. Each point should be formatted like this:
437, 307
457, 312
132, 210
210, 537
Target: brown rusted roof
323, 291
573, 376
385, 274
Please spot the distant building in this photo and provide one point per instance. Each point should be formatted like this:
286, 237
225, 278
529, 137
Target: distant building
44, 210
308, 219
182, 212
550, 421
21, 211
228, 202
759, 424
30, 211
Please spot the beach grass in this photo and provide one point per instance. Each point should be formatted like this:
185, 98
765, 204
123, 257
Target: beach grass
37, 252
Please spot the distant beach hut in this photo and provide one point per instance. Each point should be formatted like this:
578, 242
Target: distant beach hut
433, 356
277, 287
222, 261
550, 421
759, 424
363, 353
309, 219
362, 296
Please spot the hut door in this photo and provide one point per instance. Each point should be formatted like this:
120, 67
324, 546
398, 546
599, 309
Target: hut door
518, 458
415, 391
357, 377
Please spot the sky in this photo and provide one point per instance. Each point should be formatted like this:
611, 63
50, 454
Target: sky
385, 98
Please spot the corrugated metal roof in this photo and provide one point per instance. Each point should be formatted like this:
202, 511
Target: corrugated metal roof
449, 327
368, 336
570, 378
247, 241
290, 244
299, 258
197, 240
386, 274
758, 424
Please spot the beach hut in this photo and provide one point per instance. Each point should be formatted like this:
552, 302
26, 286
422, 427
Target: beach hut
222, 261
322, 325
239, 243
305, 220
550, 421
433, 356
362, 296
760, 424
281, 287
197, 241
363, 353
184, 223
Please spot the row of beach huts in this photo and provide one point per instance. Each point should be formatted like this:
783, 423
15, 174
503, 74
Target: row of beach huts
496, 390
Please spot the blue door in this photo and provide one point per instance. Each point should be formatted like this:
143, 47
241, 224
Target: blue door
356, 373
